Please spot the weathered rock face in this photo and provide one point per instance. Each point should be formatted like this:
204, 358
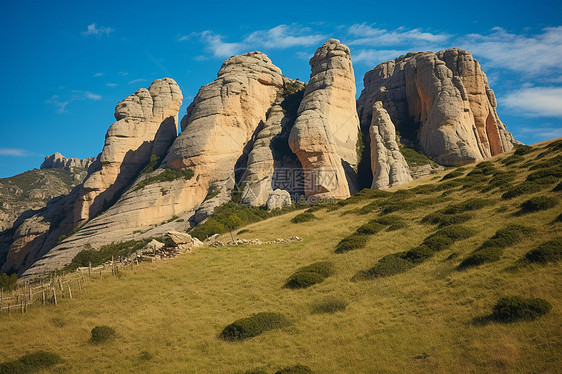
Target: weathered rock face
218, 129
326, 131
388, 164
271, 164
57, 160
440, 103
146, 125
278, 199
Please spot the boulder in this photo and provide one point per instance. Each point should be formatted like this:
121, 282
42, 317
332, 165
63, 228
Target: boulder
388, 165
278, 199
326, 131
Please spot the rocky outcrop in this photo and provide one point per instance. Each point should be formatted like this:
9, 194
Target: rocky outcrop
271, 163
388, 164
326, 131
278, 199
440, 103
217, 131
146, 125
57, 160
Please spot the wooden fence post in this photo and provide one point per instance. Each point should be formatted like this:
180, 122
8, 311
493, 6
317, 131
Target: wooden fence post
69, 292
30, 293
17, 294
21, 306
54, 296
43, 297
79, 287
89, 269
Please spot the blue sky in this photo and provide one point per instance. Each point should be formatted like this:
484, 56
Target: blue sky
66, 64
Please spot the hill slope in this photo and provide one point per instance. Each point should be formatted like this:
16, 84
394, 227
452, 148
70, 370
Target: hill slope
431, 318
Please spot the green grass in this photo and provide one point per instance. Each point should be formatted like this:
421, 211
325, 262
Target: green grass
414, 158
416, 321
167, 175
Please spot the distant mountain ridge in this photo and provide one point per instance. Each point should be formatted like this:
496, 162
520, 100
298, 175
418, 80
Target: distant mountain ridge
269, 138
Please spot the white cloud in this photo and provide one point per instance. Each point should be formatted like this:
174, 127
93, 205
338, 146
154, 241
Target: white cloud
217, 47
137, 80
75, 95
284, 36
61, 105
111, 84
91, 95
533, 55
17, 152
98, 75
97, 31
374, 37
538, 133
535, 101
375, 56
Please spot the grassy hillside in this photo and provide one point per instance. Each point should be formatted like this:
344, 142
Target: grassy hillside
433, 316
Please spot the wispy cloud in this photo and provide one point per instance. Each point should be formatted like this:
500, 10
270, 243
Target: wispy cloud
530, 54
535, 101
137, 80
91, 95
539, 133
75, 95
111, 84
98, 75
219, 48
16, 152
375, 56
97, 31
364, 34
57, 102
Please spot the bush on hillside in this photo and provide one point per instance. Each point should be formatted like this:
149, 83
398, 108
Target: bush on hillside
454, 174
557, 188
550, 251
538, 203
515, 308
105, 253
522, 189
370, 228
468, 205
351, 242
414, 158
102, 334
482, 256
167, 175
387, 266
513, 159
303, 217
307, 276
419, 254
253, 326
8, 282
549, 163
31, 362
545, 176
388, 220
297, 369
454, 232
397, 226
329, 305
443, 219
507, 236
437, 242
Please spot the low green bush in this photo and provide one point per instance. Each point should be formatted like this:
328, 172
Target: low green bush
388, 220
546, 176
419, 254
549, 163
102, 334
538, 203
310, 275
255, 371
454, 174
482, 256
437, 242
297, 369
414, 158
253, 326
468, 205
370, 228
303, 217
515, 308
167, 175
329, 305
387, 266
105, 253
522, 149
454, 232
501, 179
351, 242
522, 189
397, 226
152, 164
31, 362
558, 187
443, 219
507, 236
364, 194
8, 282
513, 159
550, 251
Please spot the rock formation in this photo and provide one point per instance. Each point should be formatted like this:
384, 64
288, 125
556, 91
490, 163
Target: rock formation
146, 125
389, 166
57, 160
440, 103
326, 131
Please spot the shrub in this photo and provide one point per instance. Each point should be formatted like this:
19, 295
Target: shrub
253, 326
513, 159
388, 220
545, 176
522, 149
414, 158
105, 253
297, 369
455, 232
167, 175
550, 251
8, 282
370, 228
303, 280
454, 174
255, 371
515, 308
481, 256
419, 254
30, 363
151, 165
323, 268
501, 179
508, 236
468, 205
522, 189
550, 163
437, 242
397, 226
351, 242
388, 265
558, 187
329, 305
303, 217
102, 334
538, 203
